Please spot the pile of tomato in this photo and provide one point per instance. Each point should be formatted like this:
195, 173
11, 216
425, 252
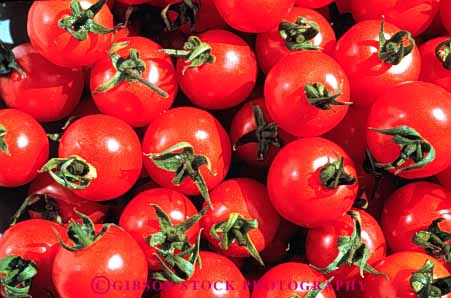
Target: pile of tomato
227, 149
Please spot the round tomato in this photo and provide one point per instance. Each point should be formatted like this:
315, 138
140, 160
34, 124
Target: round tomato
307, 93
315, 187
374, 65
409, 130
445, 178
313, 3
436, 57
24, 148
66, 35
301, 29
135, 83
445, 14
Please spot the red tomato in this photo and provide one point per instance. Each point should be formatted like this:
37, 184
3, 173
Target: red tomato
413, 16
296, 280
243, 205
218, 277
253, 15
314, 187
445, 178
322, 244
313, 3
208, 17
107, 152
208, 142
358, 52
47, 92
135, 102
412, 111
58, 45
24, 148
307, 93
279, 247
34, 240
231, 62
399, 269
436, 57
300, 34
445, 14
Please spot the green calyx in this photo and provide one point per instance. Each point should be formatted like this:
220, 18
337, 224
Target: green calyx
236, 229
392, 51
424, 285
175, 253
265, 135
195, 52
3, 144
184, 164
128, 69
299, 35
434, 241
333, 175
315, 292
57, 136
186, 14
443, 53
41, 204
320, 97
73, 172
351, 251
81, 21
16, 276
8, 62
413, 147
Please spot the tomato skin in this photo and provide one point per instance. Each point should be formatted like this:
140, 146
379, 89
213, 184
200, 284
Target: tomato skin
321, 243
287, 102
134, 102
48, 92
370, 77
433, 69
294, 186
235, 67
208, 17
140, 220
215, 268
202, 131
115, 257
59, 46
28, 146
445, 178
313, 3
35, 240
422, 106
399, 268
112, 147
445, 14
248, 198
303, 274
270, 47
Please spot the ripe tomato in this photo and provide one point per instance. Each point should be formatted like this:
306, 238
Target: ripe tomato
413, 16
100, 158
46, 91
24, 148
315, 187
445, 14
445, 178
322, 244
373, 68
34, 240
399, 280
205, 157
139, 91
301, 29
243, 221
297, 280
218, 277
307, 93
436, 57
208, 17
416, 111
313, 3
82, 43
253, 15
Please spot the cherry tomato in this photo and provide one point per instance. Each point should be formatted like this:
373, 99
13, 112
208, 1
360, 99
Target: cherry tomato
73, 47
445, 178
307, 93
313, 3
24, 148
436, 68
253, 16
208, 17
279, 247
411, 111
312, 32
373, 69
445, 14
315, 187
134, 102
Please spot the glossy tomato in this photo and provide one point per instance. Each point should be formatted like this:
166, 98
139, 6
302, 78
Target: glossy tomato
436, 58
445, 178
445, 14
313, 3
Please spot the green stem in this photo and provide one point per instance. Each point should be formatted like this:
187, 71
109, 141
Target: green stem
320, 97
8, 62
392, 51
41, 203
16, 276
443, 53
3, 144
333, 175
435, 241
186, 14
424, 285
299, 35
